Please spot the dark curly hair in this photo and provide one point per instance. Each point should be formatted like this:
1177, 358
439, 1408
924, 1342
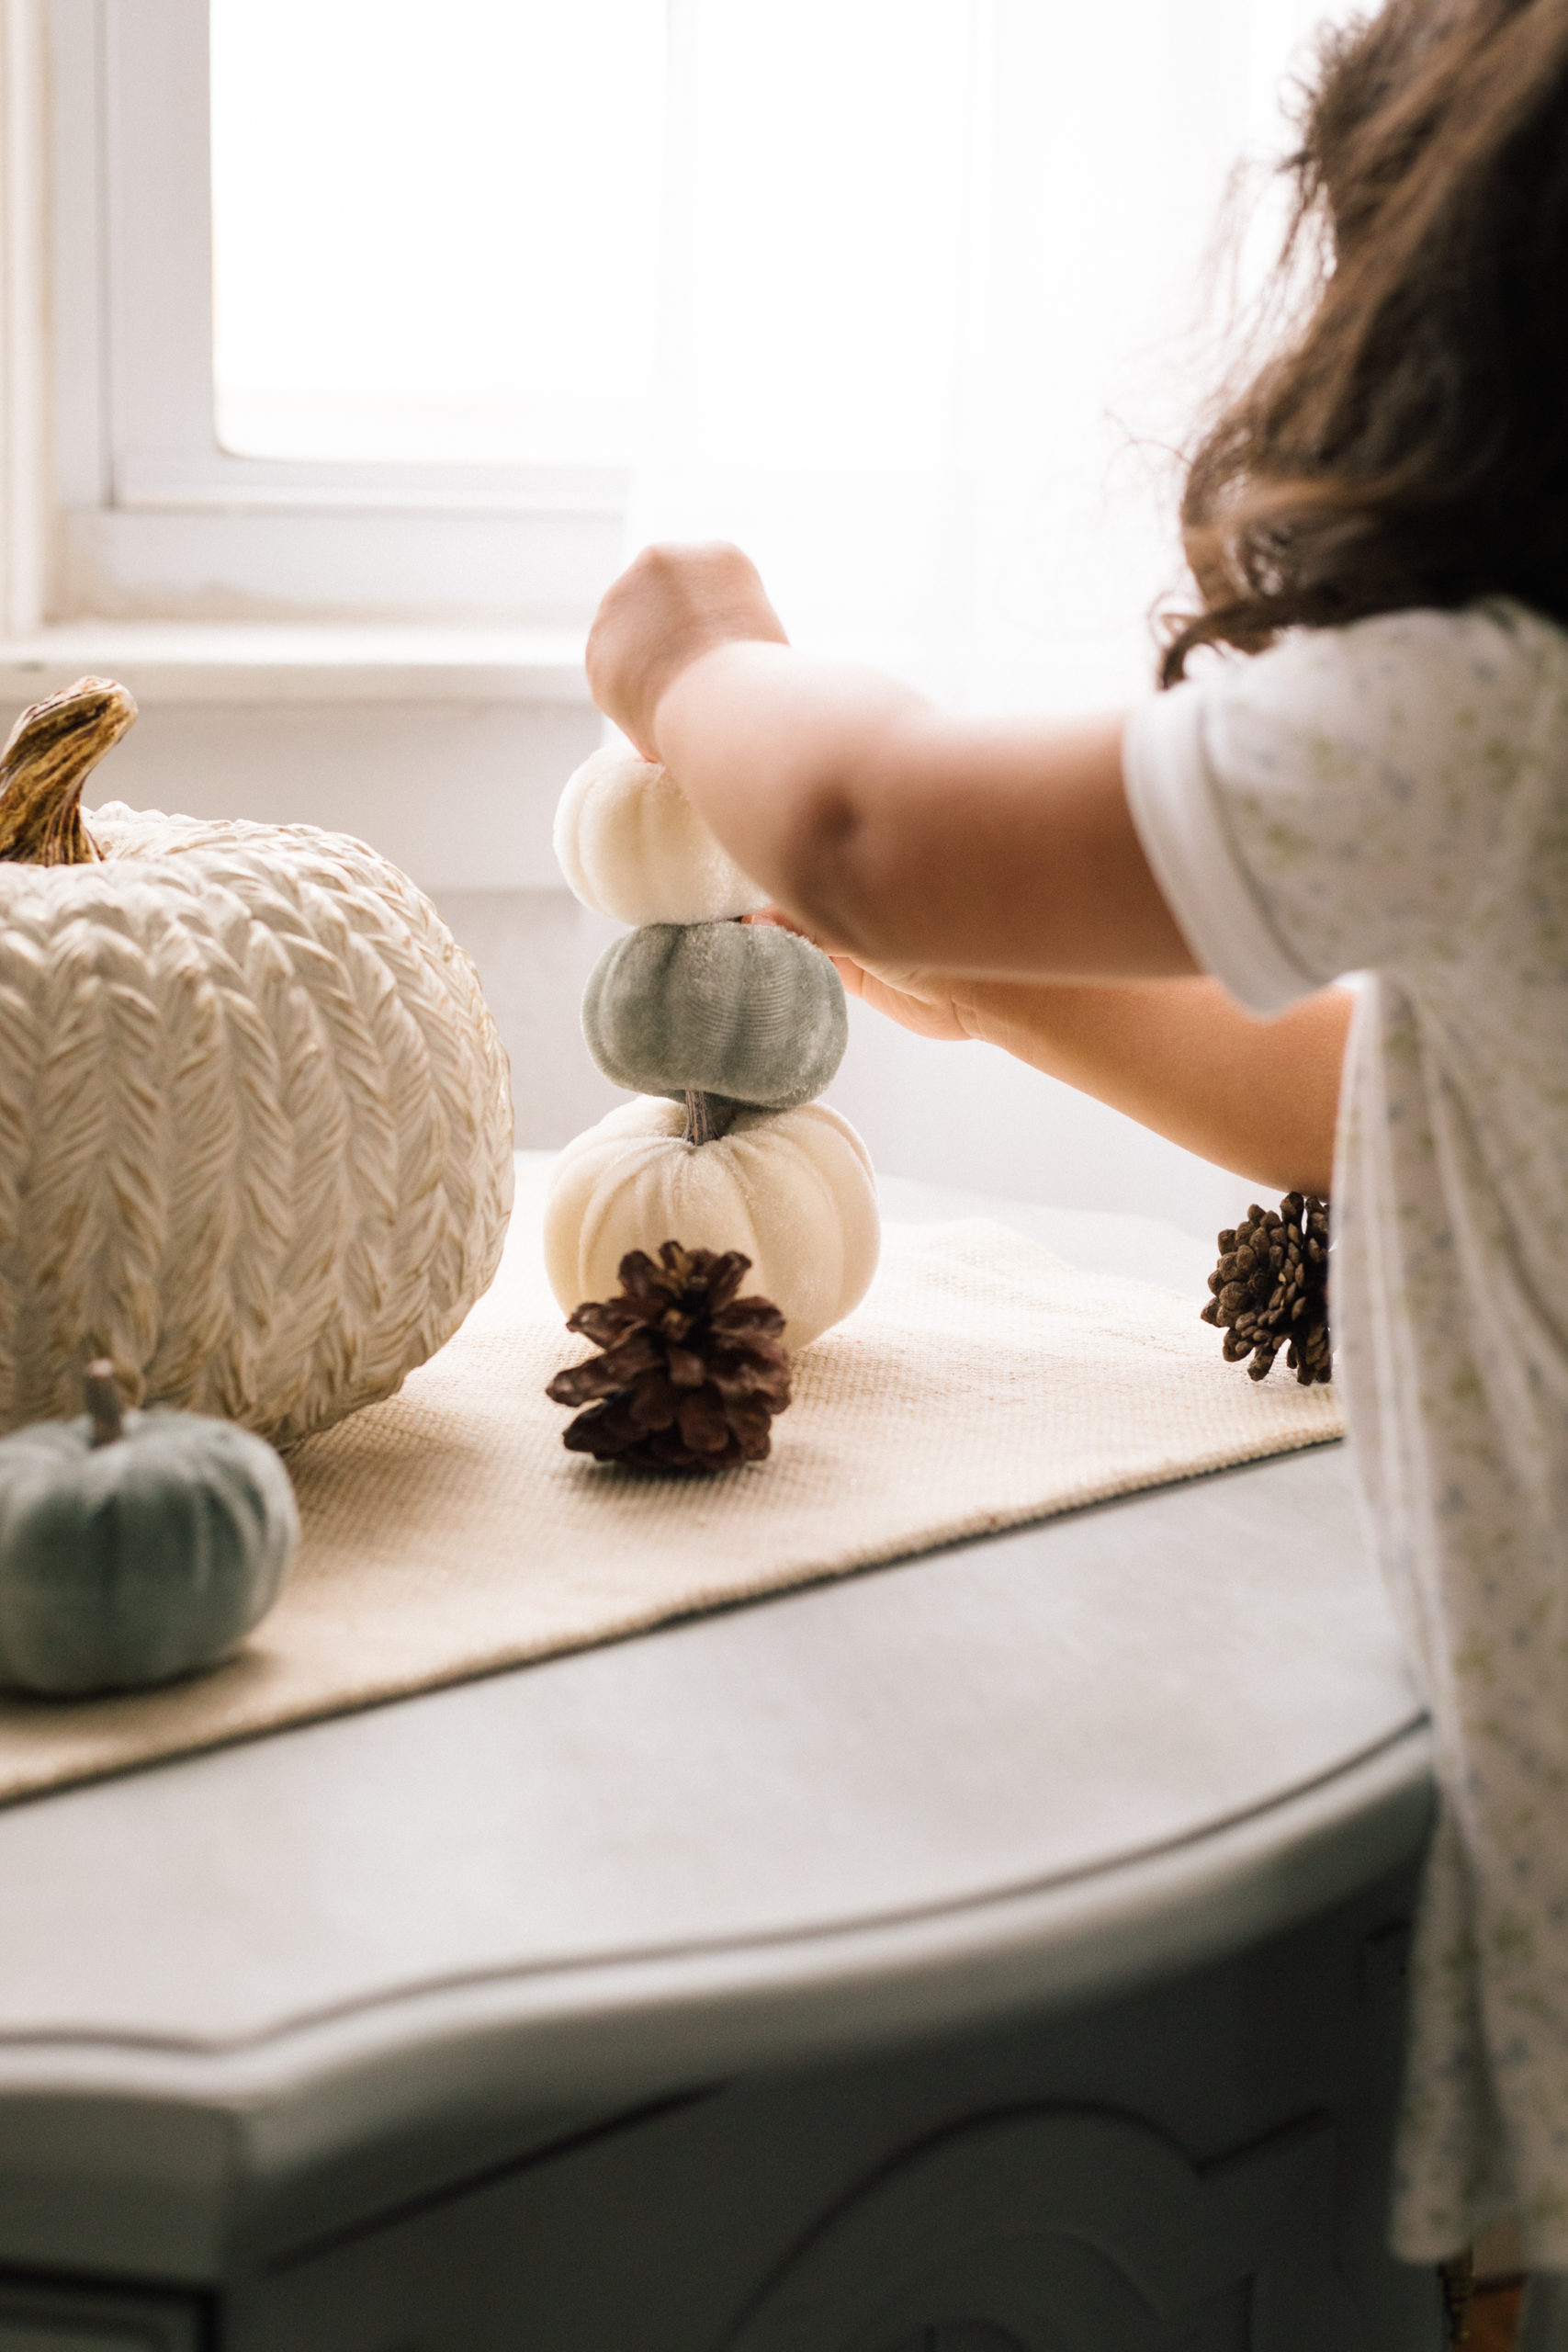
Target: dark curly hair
1408, 444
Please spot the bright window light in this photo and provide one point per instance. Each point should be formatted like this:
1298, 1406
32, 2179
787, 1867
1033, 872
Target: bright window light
935, 314
907, 296
435, 228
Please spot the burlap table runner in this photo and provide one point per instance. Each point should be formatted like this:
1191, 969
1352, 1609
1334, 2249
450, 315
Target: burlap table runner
982, 1384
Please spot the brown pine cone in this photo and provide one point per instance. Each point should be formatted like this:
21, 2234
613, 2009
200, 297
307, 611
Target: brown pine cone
691, 1374
1270, 1287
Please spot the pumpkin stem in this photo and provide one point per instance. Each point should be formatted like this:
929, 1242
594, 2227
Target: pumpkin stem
708, 1116
52, 748
102, 1392
699, 1123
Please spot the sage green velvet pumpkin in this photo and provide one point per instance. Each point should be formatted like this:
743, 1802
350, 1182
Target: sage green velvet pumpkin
128, 1558
742, 1011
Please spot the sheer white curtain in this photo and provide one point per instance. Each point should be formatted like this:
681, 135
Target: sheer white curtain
922, 277
933, 313
933, 295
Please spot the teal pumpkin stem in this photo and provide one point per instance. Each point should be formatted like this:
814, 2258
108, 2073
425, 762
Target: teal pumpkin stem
102, 1392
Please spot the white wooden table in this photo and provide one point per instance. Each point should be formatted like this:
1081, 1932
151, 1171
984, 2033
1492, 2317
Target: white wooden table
999, 1952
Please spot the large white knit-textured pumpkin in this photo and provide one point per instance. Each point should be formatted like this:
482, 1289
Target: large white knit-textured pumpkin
256, 1127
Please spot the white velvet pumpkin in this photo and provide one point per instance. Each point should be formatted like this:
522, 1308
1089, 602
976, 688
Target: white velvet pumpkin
792, 1189
631, 845
256, 1127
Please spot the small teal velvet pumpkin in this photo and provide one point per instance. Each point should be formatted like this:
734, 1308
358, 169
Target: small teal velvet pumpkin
134, 1549
742, 1011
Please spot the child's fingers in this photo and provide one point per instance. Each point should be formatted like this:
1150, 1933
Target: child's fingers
921, 1001
668, 608
776, 919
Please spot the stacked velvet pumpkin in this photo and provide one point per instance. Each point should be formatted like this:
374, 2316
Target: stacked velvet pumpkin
726, 1032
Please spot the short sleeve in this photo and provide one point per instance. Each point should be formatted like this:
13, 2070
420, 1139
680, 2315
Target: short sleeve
1352, 799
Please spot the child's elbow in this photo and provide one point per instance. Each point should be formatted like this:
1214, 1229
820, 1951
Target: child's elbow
858, 834
823, 861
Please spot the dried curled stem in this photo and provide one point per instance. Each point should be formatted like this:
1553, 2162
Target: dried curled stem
52, 749
708, 1116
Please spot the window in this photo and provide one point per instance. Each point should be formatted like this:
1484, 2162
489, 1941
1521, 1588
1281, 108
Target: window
156, 514
436, 235
919, 274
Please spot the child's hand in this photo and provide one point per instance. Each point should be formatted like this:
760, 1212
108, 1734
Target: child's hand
670, 607
923, 1001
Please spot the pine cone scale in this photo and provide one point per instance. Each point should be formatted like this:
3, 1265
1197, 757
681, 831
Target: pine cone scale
724, 1283
598, 1321
650, 1405
602, 1375
748, 1319
770, 1384
704, 1425
581, 1384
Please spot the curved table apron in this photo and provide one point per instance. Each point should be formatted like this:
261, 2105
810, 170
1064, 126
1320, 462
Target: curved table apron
265, 2001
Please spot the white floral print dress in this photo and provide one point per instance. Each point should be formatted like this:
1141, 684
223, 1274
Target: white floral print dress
1392, 798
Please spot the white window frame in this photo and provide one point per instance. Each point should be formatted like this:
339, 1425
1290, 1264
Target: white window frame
24, 321
152, 517
395, 652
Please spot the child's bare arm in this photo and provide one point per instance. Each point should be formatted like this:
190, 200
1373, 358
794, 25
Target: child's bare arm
1180, 1056
887, 830
966, 875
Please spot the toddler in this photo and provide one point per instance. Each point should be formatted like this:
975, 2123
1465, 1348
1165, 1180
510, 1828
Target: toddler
1366, 772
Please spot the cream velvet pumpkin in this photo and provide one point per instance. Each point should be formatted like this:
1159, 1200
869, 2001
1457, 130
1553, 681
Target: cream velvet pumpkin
255, 1128
792, 1189
632, 845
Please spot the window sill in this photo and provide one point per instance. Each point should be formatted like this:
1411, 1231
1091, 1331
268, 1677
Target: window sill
447, 748
177, 663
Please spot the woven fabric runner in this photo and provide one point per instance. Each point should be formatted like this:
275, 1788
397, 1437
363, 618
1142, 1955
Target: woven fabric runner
447, 1534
